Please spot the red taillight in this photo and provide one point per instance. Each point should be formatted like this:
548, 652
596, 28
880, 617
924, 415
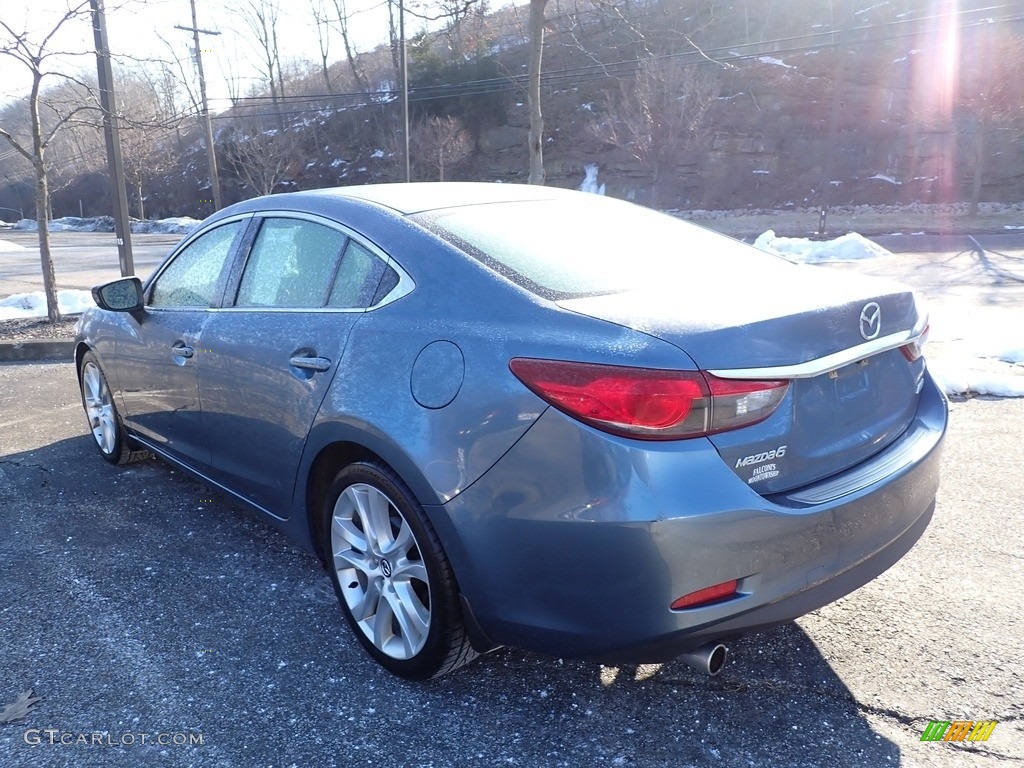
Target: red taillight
649, 403
915, 349
706, 595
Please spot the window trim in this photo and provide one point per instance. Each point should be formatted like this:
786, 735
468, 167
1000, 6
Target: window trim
403, 287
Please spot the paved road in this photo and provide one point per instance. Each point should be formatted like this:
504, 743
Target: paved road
81, 259
85, 259
135, 601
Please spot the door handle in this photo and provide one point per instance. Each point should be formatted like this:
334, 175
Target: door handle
183, 351
311, 363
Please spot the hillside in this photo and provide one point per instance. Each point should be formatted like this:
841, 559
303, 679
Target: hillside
686, 105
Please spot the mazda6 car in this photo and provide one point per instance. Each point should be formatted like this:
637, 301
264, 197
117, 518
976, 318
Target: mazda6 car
511, 415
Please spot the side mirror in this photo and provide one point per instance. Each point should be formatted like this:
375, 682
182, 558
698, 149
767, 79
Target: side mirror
124, 295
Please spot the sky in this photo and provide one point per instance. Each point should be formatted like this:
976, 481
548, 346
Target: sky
134, 28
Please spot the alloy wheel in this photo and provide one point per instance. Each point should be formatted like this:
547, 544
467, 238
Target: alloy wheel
380, 571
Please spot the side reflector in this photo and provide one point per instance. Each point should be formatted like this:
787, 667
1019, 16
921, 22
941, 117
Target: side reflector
706, 595
915, 349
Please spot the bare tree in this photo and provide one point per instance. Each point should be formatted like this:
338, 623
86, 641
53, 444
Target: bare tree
322, 25
261, 157
992, 92
341, 21
536, 138
78, 148
455, 12
658, 116
44, 124
149, 118
440, 142
261, 17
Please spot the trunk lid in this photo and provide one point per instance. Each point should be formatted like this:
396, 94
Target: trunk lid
782, 316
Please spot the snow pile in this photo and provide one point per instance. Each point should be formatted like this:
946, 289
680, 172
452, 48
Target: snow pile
177, 225
849, 247
22, 305
976, 351
960, 375
70, 224
6, 246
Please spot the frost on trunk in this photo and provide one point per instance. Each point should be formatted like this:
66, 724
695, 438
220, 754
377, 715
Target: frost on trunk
536, 139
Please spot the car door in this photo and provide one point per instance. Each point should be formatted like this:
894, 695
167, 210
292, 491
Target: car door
270, 358
158, 354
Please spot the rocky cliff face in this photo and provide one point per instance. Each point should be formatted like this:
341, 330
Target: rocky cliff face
872, 119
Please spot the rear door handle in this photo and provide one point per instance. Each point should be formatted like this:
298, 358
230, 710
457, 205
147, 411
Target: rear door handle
182, 351
311, 363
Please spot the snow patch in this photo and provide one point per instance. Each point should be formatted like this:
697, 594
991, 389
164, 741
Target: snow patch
976, 352
590, 182
176, 225
849, 247
6, 246
870, 8
23, 305
775, 62
964, 375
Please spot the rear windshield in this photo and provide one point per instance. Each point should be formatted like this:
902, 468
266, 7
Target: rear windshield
569, 248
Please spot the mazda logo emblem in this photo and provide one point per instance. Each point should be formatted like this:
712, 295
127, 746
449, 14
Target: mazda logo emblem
870, 321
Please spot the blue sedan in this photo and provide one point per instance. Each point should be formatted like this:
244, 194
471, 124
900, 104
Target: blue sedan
510, 415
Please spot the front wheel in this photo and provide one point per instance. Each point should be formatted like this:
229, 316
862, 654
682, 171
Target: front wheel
104, 421
391, 575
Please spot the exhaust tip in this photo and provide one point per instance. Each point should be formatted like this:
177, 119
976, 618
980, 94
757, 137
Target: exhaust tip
709, 659
717, 658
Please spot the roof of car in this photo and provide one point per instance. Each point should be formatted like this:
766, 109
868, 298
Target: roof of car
426, 196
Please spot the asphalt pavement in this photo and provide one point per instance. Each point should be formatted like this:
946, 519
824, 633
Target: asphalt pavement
160, 625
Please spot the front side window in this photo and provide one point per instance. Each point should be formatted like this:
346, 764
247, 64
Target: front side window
190, 280
291, 264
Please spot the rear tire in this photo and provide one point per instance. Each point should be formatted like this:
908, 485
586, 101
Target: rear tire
108, 433
392, 578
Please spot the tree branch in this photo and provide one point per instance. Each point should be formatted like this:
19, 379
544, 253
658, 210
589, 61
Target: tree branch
18, 147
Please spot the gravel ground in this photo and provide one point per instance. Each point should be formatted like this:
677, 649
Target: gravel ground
136, 601
37, 328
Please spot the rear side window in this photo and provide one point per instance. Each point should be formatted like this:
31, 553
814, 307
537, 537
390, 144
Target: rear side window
190, 280
361, 275
291, 264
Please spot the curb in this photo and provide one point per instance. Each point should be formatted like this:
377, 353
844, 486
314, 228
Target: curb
20, 351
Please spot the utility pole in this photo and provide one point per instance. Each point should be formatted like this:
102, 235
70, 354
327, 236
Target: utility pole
118, 195
211, 153
405, 89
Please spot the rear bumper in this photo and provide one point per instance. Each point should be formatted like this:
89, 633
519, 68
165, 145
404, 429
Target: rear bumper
576, 543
